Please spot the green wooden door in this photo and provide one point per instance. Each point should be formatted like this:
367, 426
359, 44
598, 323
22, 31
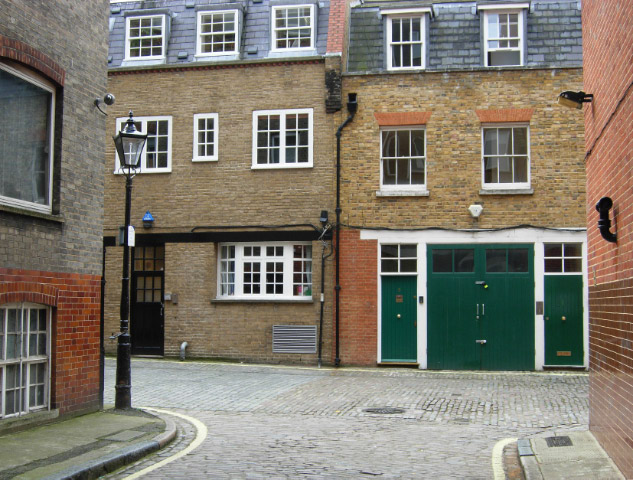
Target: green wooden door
480, 312
564, 320
399, 319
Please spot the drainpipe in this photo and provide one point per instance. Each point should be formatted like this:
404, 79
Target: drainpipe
604, 223
101, 332
183, 347
323, 258
352, 106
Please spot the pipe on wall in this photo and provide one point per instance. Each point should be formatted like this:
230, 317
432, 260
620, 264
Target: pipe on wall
604, 223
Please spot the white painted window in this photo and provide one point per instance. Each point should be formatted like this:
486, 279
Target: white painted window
205, 137
403, 158
563, 257
218, 33
156, 155
24, 358
504, 36
293, 27
405, 36
145, 37
265, 271
282, 138
27, 103
398, 258
506, 157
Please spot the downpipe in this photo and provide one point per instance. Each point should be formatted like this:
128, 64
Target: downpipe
183, 347
604, 223
352, 107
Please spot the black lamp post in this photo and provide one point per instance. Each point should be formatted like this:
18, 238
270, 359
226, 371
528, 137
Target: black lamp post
129, 145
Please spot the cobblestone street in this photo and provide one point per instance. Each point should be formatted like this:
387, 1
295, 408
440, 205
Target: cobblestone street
284, 422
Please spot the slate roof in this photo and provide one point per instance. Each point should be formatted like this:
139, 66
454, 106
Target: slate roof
554, 34
181, 48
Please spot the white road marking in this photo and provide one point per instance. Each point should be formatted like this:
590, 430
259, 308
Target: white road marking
497, 458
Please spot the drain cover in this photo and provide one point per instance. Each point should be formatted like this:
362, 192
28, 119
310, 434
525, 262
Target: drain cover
385, 410
563, 441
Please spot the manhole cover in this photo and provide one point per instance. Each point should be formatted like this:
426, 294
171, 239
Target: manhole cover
385, 410
563, 441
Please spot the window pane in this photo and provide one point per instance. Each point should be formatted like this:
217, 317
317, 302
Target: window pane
408, 265
402, 172
520, 169
389, 143
553, 265
520, 141
389, 172
389, 266
518, 260
495, 260
403, 143
504, 139
491, 171
553, 250
573, 250
464, 260
389, 251
25, 140
573, 265
407, 251
490, 141
442, 261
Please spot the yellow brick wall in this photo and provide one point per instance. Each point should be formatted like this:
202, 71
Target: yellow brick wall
454, 149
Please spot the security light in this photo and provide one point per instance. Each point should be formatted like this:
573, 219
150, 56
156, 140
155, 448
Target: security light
574, 99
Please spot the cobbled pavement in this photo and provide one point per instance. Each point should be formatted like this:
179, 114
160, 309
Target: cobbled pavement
278, 422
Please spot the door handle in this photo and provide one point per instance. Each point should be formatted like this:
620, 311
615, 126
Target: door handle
563, 318
480, 342
483, 308
398, 316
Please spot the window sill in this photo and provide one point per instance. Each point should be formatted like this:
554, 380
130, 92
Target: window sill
143, 62
402, 193
32, 213
508, 191
308, 300
281, 166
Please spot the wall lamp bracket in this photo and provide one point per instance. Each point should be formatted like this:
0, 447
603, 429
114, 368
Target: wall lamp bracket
604, 223
574, 99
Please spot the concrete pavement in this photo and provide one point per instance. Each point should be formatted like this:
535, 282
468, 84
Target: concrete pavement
289, 422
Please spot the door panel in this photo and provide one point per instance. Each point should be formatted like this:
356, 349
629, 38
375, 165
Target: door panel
399, 319
564, 320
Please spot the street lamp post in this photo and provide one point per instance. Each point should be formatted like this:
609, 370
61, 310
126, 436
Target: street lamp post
129, 144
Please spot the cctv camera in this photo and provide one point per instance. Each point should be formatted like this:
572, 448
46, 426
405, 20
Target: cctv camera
108, 99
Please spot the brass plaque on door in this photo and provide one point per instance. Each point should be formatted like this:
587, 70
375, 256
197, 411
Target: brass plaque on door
563, 354
399, 299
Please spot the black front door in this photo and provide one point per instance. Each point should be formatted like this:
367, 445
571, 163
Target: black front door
147, 326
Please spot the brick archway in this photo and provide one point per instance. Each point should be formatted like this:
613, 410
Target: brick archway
15, 292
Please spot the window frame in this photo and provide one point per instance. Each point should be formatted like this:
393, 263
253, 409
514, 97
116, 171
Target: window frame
273, 30
196, 156
499, 185
141, 126
25, 359
199, 34
38, 81
422, 16
128, 40
235, 266
563, 258
399, 259
419, 188
505, 10
282, 139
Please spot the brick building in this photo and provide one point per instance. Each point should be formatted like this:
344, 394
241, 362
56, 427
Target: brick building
236, 172
51, 206
462, 187
609, 156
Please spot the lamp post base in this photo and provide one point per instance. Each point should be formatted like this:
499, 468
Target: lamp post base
123, 387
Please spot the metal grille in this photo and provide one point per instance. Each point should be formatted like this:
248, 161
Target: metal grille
294, 338
562, 441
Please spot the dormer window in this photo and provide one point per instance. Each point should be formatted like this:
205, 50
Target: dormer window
218, 33
504, 34
145, 37
406, 38
293, 27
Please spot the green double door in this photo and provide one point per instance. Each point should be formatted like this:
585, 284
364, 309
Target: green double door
480, 312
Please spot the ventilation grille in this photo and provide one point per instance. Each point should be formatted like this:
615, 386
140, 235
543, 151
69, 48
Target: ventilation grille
294, 338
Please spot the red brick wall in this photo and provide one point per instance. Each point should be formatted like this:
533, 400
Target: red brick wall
608, 75
75, 301
358, 299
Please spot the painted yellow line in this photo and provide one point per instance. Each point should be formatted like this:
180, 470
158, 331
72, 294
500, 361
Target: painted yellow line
497, 458
201, 434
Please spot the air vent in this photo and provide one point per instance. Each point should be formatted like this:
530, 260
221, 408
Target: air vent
294, 338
